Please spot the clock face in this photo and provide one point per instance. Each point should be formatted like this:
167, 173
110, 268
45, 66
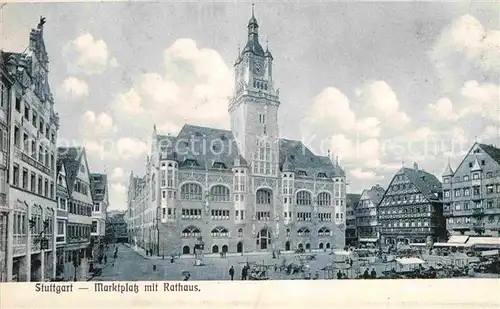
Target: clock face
258, 69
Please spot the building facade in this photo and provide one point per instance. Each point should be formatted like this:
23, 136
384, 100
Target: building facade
471, 194
367, 214
77, 249
351, 237
117, 227
100, 195
411, 210
33, 126
63, 198
6, 87
239, 190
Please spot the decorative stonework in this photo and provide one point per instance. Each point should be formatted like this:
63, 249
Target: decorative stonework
264, 182
191, 176
223, 179
304, 185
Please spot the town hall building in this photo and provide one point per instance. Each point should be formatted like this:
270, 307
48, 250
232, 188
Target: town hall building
242, 190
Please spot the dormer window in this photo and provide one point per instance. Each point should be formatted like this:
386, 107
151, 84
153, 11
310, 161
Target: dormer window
198, 134
446, 179
301, 173
322, 175
190, 163
223, 137
219, 165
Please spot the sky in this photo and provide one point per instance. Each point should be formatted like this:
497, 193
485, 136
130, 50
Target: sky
380, 85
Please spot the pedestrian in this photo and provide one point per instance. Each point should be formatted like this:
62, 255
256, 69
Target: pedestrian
366, 274
244, 271
154, 267
231, 273
350, 262
373, 274
105, 259
339, 275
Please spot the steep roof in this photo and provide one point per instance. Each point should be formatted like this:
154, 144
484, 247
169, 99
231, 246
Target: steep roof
352, 200
492, 151
71, 157
375, 194
194, 142
425, 182
448, 171
302, 158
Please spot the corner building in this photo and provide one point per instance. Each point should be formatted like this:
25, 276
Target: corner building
242, 190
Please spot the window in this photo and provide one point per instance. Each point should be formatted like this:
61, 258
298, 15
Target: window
34, 118
303, 198
191, 232
263, 215
263, 196
94, 226
17, 137
60, 227
220, 193
18, 104
220, 232
51, 193
40, 185
4, 95
25, 179
466, 178
301, 173
264, 159
46, 188
303, 232
240, 232
220, 214
97, 206
466, 191
4, 140
324, 232
322, 175
457, 192
26, 112
475, 176
191, 191
446, 193
490, 189
219, 165
15, 176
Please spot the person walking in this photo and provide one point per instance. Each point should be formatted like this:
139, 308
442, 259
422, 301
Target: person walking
244, 273
373, 274
231, 273
366, 274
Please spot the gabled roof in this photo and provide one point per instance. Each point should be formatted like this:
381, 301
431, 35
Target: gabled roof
352, 200
492, 151
448, 171
476, 166
302, 158
425, 182
71, 157
375, 194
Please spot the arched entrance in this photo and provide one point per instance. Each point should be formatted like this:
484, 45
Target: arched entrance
327, 245
301, 246
308, 246
321, 245
224, 248
287, 246
239, 247
215, 249
185, 250
265, 238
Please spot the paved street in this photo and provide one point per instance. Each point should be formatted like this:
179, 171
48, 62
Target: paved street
132, 266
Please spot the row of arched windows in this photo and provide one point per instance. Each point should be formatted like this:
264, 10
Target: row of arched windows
220, 193
259, 84
221, 231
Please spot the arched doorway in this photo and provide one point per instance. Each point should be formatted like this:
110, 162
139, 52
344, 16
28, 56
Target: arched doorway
301, 246
327, 245
321, 245
224, 248
308, 246
215, 249
287, 246
239, 247
185, 250
265, 238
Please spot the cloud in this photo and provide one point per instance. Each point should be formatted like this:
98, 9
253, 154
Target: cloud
75, 88
95, 126
88, 55
442, 110
117, 173
121, 149
193, 87
384, 102
482, 99
364, 175
465, 47
118, 196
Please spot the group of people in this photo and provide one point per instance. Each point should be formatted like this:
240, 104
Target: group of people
244, 272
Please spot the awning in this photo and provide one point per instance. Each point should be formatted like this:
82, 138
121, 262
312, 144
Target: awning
458, 239
368, 240
490, 253
447, 245
484, 242
410, 261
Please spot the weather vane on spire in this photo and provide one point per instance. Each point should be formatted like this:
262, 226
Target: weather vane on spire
253, 6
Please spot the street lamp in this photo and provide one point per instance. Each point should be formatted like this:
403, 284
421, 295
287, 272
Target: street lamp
40, 238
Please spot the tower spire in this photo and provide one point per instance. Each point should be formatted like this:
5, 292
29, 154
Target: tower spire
253, 8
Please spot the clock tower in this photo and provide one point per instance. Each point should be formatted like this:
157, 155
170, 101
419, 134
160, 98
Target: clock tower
254, 105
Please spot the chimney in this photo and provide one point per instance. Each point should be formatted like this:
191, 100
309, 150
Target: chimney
415, 166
